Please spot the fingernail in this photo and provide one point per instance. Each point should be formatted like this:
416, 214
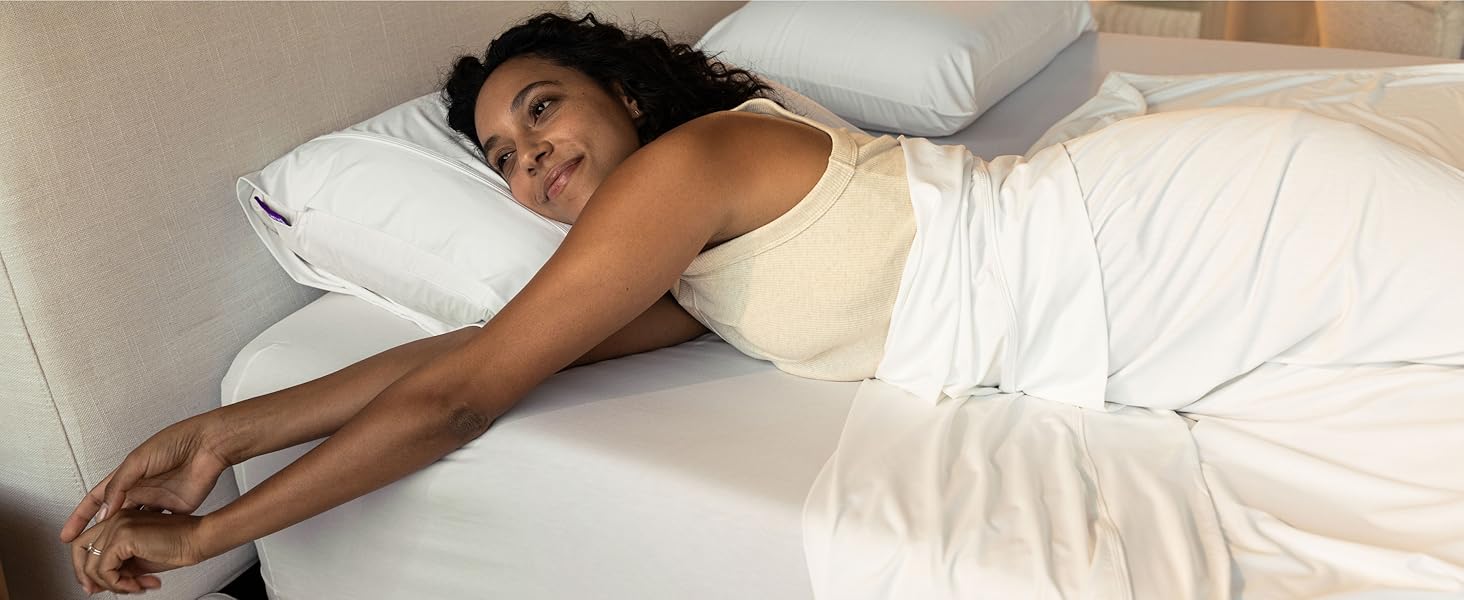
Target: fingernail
103, 514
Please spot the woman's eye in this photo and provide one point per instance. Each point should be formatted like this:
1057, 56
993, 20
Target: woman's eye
536, 109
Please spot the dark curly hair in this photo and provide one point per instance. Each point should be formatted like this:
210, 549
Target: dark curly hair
671, 83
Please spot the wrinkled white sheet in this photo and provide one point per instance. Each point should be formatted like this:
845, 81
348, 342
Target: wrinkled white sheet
1234, 236
1277, 443
1010, 496
1339, 482
1244, 250
1001, 288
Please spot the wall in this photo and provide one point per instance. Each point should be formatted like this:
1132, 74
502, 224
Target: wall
683, 21
129, 278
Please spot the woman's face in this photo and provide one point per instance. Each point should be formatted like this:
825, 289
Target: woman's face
552, 133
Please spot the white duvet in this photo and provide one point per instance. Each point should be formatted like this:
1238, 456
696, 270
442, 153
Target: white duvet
1276, 256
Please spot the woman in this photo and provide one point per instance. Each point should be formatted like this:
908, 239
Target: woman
697, 201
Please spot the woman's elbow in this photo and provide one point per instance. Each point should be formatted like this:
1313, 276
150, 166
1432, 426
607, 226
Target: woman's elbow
466, 423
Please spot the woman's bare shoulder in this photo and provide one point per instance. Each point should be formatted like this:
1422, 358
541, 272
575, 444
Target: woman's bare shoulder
759, 164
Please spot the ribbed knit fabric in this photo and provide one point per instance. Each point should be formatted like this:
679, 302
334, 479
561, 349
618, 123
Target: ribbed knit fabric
812, 290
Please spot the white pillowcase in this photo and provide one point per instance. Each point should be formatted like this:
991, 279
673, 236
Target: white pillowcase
400, 211
920, 68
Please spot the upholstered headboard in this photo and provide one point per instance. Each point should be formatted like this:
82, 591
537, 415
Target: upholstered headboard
129, 279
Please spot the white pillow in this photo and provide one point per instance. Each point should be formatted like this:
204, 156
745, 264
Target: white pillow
920, 68
400, 211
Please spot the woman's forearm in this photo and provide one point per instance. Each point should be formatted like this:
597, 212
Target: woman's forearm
410, 425
319, 407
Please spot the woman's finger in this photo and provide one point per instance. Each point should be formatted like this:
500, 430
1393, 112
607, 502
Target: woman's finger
147, 581
84, 511
78, 561
127, 474
154, 498
88, 569
108, 543
109, 568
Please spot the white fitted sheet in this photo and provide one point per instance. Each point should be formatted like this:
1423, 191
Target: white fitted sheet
679, 473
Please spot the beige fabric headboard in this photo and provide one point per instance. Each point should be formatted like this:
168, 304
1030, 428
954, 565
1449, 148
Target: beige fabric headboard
129, 278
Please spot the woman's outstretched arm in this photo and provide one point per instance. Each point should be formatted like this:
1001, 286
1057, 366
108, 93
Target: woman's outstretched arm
632, 241
319, 407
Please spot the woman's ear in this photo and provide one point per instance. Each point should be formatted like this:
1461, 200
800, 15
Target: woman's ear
631, 106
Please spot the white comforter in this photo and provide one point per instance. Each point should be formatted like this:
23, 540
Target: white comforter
1290, 279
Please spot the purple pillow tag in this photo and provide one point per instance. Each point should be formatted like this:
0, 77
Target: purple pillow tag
269, 211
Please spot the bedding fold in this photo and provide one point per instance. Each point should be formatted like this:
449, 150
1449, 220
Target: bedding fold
1001, 289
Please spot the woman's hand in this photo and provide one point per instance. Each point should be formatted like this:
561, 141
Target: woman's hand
173, 470
133, 543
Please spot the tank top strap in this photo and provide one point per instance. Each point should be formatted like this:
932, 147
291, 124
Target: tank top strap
846, 148
842, 161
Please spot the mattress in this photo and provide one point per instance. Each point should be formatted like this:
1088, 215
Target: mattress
671, 474
677, 473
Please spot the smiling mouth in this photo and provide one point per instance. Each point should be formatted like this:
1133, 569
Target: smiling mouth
561, 180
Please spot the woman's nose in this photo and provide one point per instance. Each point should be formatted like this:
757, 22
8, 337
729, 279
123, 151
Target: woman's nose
538, 153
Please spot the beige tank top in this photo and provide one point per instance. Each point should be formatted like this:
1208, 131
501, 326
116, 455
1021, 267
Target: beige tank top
812, 290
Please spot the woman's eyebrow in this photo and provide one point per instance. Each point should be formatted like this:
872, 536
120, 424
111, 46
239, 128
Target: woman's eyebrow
524, 93
518, 101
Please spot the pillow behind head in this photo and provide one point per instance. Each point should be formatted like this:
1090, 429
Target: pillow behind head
921, 68
401, 211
